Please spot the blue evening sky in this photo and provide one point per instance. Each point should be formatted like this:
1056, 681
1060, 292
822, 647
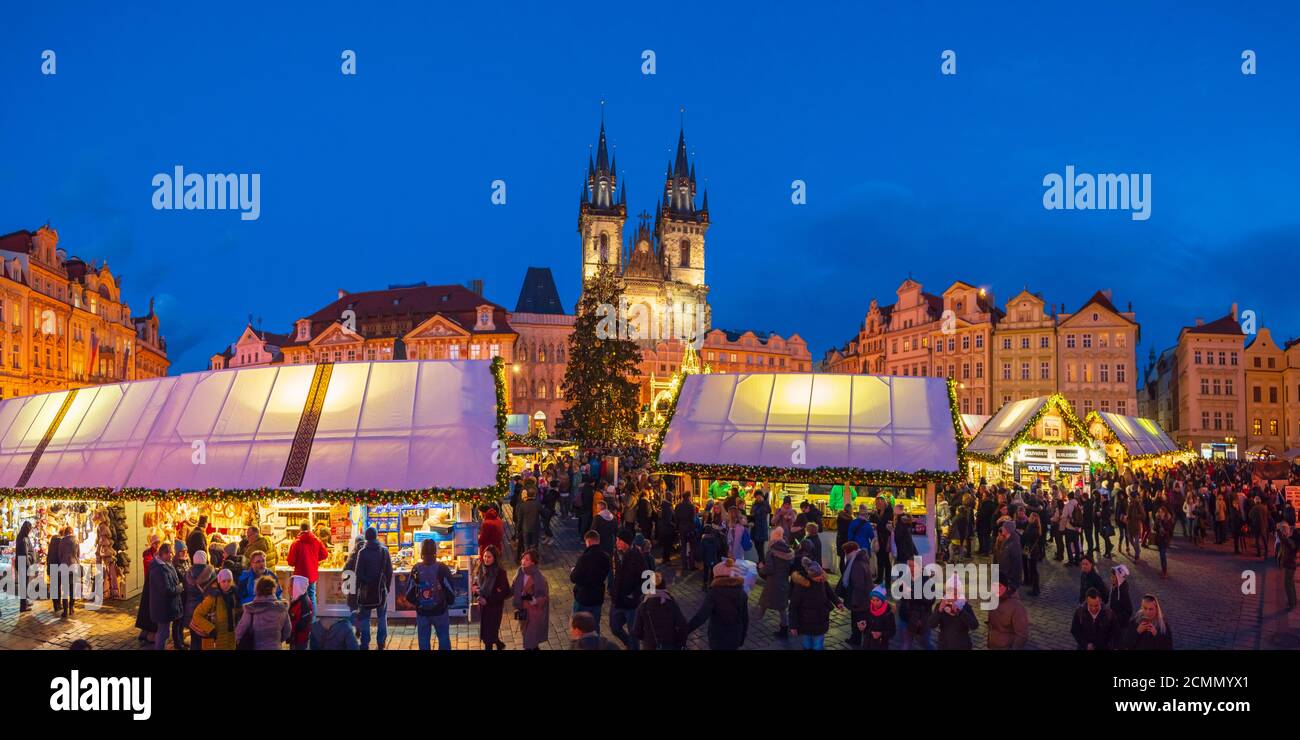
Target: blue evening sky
386, 177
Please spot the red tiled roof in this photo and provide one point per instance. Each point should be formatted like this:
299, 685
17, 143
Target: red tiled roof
454, 302
1100, 299
1225, 325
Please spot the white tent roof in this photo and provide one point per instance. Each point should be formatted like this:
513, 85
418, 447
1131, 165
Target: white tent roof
973, 423
1010, 420
1138, 436
864, 422
404, 425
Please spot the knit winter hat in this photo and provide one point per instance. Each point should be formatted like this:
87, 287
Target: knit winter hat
813, 568
200, 558
178, 546
722, 570
879, 593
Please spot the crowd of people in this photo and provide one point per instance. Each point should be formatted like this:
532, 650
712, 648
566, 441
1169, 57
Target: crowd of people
642, 540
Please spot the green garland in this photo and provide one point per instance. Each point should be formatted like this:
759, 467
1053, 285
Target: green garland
503, 467
1024, 435
823, 475
668, 418
372, 496
820, 475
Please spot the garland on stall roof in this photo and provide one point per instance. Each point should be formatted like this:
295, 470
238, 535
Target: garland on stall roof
668, 418
350, 496
821, 476
957, 429
1141, 456
1024, 435
498, 368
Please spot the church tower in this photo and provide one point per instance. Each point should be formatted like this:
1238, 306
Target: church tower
601, 212
681, 225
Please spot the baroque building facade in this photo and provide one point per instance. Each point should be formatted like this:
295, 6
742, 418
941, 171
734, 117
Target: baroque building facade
64, 323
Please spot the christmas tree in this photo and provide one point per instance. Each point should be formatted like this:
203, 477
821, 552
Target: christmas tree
602, 397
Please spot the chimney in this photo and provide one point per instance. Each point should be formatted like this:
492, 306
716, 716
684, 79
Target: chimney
342, 293
476, 286
1200, 321
1234, 312
1107, 292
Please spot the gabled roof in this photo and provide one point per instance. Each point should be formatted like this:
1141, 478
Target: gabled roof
1138, 436
538, 293
1100, 299
862, 428
418, 303
1014, 421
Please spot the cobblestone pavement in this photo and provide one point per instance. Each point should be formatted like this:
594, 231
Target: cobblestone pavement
1204, 600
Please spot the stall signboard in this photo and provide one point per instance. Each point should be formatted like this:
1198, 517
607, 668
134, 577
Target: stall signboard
1071, 467
1293, 496
1038, 467
465, 538
1037, 453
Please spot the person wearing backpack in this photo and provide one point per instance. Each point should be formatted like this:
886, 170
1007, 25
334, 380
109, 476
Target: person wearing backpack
433, 593
264, 623
373, 574
1072, 524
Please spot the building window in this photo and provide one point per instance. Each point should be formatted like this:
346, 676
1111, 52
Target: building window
1069, 341
1104, 373
1006, 343
965, 342
979, 341
559, 390
1223, 358
952, 344
1006, 371
1227, 387
685, 253
1044, 370
979, 404
979, 370
1234, 359
494, 350
1024, 371
1257, 365
1087, 341
1231, 424
1197, 357
1045, 342
1121, 407
965, 371
1272, 427
1024, 343
1218, 387
1205, 386
1205, 419
1272, 393
475, 351
453, 351
1257, 427
1105, 405
1120, 374
541, 387
965, 405
1218, 421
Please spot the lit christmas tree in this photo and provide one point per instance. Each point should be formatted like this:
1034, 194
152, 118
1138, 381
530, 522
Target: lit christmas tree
603, 400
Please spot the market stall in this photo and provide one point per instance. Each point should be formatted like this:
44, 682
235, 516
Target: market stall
971, 424
328, 445
869, 435
1135, 444
1036, 439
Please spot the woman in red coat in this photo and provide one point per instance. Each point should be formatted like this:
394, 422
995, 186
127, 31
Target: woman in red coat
492, 532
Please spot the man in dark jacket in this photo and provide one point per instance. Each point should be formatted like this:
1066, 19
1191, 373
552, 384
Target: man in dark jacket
627, 589
726, 609
684, 521
582, 630
588, 578
374, 576
164, 594
1094, 625
1011, 558
197, 540
659, 623
530, 521
856, 588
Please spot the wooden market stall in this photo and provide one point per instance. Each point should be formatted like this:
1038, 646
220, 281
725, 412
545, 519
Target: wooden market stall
406, 446
1135, 443
869, 435
1034, 439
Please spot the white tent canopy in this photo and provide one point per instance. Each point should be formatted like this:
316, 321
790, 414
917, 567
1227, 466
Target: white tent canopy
382, 425
863, 422
973, 423
1010, 420
1138, 436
